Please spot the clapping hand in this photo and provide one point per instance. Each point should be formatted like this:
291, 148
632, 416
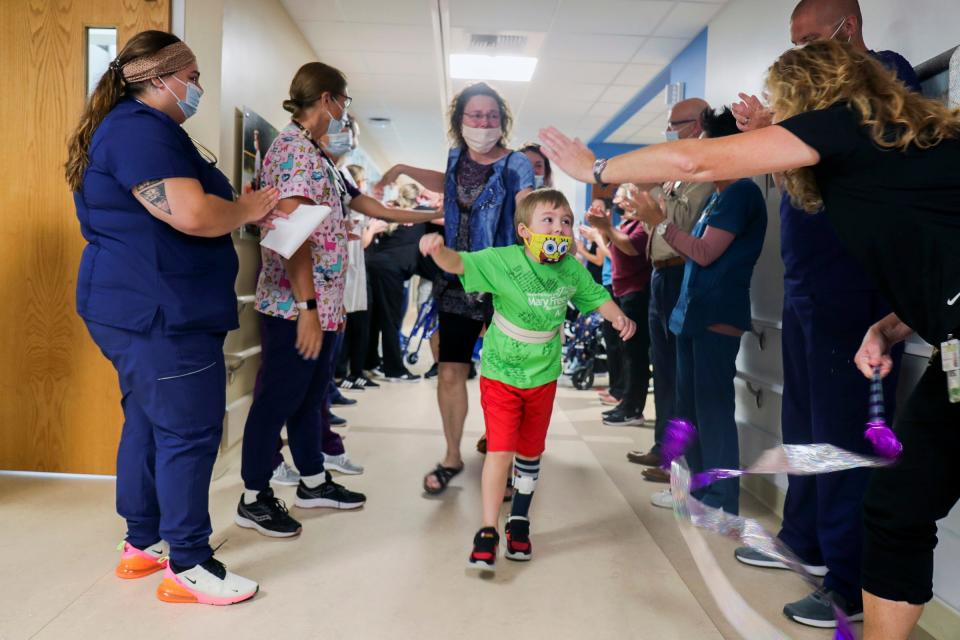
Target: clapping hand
750, 113
599, 218
644, 208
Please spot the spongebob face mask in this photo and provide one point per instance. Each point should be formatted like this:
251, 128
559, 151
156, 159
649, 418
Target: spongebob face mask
547, 248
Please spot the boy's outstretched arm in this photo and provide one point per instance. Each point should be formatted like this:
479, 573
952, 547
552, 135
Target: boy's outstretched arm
447, 259
613, 314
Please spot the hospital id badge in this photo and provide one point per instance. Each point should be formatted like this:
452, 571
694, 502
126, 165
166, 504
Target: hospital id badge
950, 360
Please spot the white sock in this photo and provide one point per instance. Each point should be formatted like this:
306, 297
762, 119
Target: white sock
315, 480
249, 496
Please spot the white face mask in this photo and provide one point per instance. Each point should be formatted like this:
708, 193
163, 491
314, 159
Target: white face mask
481, 140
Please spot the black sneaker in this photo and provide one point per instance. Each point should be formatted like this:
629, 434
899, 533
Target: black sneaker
623, 418
473, 372
342, 401
406, 376
484, 554
329, 494
268, 515
336, 421
431, 372
518, 540
363, 382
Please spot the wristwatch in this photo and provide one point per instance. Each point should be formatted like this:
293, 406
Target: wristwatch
661, 228
306, 305
598, 166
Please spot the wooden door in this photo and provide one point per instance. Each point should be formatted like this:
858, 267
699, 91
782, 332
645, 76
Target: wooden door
59, 397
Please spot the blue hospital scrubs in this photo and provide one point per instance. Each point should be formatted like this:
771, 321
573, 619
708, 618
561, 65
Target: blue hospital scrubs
718, 293
158, 303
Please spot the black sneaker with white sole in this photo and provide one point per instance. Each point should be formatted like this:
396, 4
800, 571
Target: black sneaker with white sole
623, 418
329, 495
268, 515
406, 376
363, 382
816, 610
484, 554
519, 548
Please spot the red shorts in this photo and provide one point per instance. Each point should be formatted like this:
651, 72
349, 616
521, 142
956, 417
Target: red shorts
516, 419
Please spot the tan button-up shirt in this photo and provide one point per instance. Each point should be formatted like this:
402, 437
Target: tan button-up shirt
683, 203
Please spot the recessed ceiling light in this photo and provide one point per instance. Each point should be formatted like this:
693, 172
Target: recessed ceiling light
470, 66
380, 123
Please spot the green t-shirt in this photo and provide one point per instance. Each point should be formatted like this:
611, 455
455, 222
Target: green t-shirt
532, 296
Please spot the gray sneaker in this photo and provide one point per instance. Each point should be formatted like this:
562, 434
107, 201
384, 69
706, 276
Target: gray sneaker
755, 558
816, 611
286, 475
342, 464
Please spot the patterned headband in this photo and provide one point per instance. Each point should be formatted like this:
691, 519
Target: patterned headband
170, 59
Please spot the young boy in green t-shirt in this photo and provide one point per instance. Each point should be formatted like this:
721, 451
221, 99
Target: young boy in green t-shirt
531, 286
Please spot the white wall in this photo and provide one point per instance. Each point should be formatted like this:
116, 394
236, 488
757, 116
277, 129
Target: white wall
742, 41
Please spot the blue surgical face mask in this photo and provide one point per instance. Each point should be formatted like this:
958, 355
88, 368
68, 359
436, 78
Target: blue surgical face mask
339, 144
671, 135
191, 103
537, 181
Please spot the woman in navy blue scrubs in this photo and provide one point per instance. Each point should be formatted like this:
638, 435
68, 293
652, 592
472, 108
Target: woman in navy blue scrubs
156, 290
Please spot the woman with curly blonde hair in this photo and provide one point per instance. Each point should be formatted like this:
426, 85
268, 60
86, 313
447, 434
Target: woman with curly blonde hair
882, 162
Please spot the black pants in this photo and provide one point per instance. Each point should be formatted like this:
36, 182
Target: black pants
636, 352
354, 350
614, 348
664, 292
904, 502
387, 272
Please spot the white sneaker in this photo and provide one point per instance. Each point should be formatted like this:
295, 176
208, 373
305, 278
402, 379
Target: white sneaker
207, 583
341, 464
663, 499
286, 475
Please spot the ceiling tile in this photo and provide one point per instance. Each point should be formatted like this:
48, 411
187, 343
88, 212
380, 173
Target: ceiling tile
624, 17
605, 108
687, 19
619, 93
638, 75
499, 15
591, 47
577, 71
347, 62
660, 50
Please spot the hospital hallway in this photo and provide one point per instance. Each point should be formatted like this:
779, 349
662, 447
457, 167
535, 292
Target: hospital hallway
607, 564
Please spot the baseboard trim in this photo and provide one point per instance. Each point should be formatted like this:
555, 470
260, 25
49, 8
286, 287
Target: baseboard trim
940, 620
769, 494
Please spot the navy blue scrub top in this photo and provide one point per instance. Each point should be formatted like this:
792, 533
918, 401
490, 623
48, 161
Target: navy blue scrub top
135, 266
720, 292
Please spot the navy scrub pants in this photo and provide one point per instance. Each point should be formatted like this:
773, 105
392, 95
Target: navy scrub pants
291, 391
174, 397
825, 400
664, 292
706, 366
636, 353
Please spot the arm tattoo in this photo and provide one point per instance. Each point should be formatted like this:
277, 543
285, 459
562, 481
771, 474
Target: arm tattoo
156, 194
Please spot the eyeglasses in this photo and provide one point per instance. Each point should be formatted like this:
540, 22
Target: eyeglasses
208, 156
673, 124
347, 100
477, 116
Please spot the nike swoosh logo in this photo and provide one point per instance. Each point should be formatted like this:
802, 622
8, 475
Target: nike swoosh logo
190, 580
952, 300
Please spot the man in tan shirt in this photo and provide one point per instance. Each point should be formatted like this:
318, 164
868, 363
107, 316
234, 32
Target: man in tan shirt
682, 203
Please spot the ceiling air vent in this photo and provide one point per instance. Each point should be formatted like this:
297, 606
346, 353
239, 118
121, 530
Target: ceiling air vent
492, 44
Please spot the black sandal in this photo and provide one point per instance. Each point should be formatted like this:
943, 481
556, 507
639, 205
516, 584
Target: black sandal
443, 475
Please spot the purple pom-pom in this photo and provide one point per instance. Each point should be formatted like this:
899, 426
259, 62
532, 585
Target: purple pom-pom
884, 440
679, 435
844, 628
